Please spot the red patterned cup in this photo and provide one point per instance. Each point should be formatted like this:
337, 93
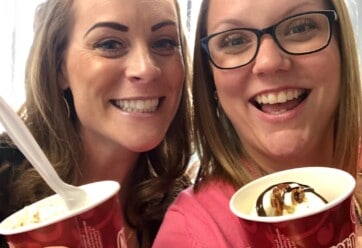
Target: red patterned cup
98, 224
331, 225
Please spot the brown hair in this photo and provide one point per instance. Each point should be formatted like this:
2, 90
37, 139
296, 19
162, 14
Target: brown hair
159, 174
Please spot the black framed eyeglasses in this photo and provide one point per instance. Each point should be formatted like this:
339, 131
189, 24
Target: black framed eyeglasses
304, 33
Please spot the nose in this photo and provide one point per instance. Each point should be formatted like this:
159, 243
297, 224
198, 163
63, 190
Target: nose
141, 66
270, 58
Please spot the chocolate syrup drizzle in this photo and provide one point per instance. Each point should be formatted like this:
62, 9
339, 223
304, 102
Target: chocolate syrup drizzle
259, 202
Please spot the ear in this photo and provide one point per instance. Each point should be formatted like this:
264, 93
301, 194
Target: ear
63, 81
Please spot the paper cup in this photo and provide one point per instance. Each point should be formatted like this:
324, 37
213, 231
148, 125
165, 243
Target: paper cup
331, 225
97, 224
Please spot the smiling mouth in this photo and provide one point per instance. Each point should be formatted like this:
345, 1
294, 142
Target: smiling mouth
137, 105
280, 102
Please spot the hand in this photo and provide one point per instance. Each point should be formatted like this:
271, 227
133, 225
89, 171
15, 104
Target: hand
359, 236
359, 242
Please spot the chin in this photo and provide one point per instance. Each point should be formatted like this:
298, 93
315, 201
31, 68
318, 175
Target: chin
284, 152
286, 157
145, 147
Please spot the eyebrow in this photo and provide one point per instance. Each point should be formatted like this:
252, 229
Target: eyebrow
112, 25
162, 24
123, 28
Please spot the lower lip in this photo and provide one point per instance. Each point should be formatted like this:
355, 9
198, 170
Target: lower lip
282, 117
139, 114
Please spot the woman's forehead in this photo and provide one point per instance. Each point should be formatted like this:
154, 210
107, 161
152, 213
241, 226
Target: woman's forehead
129, 13
257, 13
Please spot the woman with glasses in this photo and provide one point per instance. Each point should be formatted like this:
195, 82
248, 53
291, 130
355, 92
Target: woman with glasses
276, 86
107, 99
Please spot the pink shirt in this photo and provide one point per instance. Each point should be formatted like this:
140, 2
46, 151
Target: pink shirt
201, 220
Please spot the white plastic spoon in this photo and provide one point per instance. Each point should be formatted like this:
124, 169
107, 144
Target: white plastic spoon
73, 197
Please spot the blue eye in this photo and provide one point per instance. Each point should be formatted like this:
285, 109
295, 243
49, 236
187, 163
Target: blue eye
165, 46
299, 26
302, 27
233, 42
111, 48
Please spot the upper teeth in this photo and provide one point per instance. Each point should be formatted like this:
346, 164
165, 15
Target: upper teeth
279, 97
142, 106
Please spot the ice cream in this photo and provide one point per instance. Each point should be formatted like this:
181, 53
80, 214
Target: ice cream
38, 213
288, 198
49, 223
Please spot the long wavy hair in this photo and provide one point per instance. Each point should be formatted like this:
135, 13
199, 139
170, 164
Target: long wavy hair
216, 139
159, 174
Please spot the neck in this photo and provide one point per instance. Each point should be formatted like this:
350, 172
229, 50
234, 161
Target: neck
262, 165
269, 159
106, 164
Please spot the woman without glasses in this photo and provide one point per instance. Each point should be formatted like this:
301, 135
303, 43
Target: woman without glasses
106, 100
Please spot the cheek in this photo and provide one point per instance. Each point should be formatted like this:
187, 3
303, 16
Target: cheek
327, 68
230, 83
174, 74
91, 74
330, 64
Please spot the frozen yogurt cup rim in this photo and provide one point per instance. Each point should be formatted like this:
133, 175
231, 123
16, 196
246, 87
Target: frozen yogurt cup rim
276, 219
113, 187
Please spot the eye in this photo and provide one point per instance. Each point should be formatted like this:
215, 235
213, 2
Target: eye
111, 48
165, 46
234, 41
300, 27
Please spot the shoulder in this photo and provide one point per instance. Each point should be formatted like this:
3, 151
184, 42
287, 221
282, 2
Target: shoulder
203, 218
3, 242
210, 204
8, 152
210, 194
10, 157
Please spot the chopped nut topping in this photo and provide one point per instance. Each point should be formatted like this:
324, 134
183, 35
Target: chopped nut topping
277, 198
297, 196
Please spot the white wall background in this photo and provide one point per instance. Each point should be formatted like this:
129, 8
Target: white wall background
16, 25
16, 20
355, 7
